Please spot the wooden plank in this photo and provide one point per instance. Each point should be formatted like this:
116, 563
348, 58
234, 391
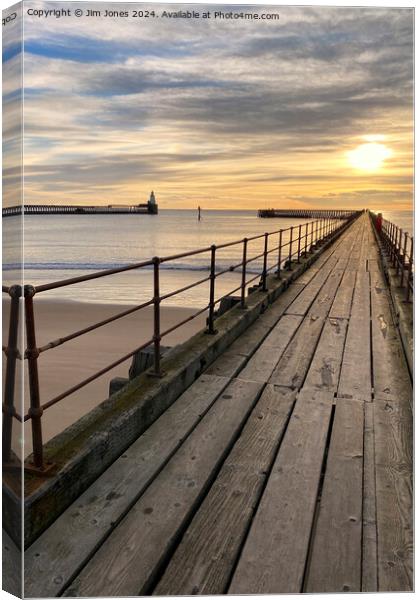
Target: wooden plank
279, 307
248, 342
11, 566
342, 262
127, 562
301, 305
325, 367
338, 245
355, 377
323, 302
203, 561
274, 555
353, 263
373, 263
309, 274
394, 467
293, 365
263, 362
336, 556
390, 372
363, 251
341, 307
227, 364
54, 558
370, 546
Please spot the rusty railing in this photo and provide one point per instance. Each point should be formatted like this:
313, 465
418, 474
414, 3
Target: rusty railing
399, 246
290, 245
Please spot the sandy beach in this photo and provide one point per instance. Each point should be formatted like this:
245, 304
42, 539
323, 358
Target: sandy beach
62, 367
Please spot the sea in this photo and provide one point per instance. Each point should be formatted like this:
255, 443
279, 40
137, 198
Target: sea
59, 247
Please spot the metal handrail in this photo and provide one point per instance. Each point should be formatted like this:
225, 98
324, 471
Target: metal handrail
400, 249
306, 236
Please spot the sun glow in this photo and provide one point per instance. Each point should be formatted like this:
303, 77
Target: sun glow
370, 156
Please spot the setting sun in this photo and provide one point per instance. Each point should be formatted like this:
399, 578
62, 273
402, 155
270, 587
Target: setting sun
369, 157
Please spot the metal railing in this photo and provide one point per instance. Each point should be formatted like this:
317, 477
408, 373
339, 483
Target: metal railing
399, 246
290, 245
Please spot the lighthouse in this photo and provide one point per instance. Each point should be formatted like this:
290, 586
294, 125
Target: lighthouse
152, 205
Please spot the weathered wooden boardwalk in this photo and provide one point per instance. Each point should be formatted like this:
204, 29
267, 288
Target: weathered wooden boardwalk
286, 467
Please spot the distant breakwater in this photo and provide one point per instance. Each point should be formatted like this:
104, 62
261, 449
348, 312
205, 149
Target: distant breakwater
73, 209
304, 213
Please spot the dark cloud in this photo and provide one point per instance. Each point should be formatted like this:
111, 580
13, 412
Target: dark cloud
222, 92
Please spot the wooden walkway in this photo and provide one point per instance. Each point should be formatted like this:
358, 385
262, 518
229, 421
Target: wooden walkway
286, 467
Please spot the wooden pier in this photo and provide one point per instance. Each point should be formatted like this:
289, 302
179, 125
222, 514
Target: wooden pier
75, 209
286, 467
304, 213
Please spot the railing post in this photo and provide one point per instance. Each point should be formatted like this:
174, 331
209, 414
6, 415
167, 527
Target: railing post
312, 235
306, 240
156, 313
290, 249
394, 245
243, 282
388, 240
403, 259
210, 326
410, 271
299, 236
279, 257
264, 273
397, 251
9, 409
35, 411
390, 231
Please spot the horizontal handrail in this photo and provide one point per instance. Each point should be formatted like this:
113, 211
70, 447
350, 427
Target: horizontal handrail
293, 243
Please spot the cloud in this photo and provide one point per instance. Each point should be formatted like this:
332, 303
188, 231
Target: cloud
209, 107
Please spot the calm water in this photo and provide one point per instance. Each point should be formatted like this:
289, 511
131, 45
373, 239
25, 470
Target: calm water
59, 247
402, 218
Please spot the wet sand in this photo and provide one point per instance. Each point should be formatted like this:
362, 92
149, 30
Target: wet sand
62, 367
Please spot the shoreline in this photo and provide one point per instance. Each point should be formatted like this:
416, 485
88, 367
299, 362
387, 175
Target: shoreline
62, 367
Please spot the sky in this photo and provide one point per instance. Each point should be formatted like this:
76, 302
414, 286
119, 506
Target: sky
312, 108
